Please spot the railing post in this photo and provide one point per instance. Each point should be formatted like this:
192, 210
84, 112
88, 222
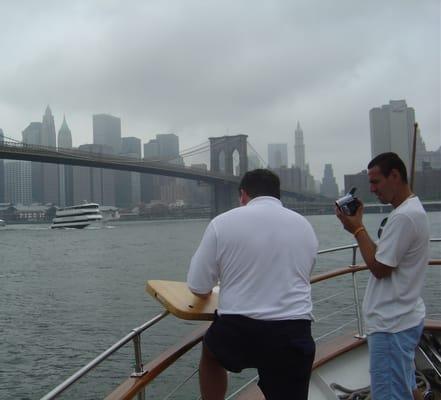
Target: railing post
360, 333
138, 363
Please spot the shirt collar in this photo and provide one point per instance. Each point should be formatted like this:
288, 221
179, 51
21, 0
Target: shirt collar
264, 199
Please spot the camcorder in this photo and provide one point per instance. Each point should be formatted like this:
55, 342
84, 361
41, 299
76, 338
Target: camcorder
348, 204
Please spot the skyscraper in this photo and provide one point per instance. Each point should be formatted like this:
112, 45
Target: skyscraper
392, 128
64, 136
65, 172
2, 172
299, 148
329, 187
277, 155
18, 182
94, 184
48, 137
128, 184
107, 131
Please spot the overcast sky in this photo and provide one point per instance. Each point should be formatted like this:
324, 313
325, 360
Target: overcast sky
201, 68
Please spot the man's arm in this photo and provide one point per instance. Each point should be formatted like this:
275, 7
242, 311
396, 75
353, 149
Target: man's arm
368, 248
203, 273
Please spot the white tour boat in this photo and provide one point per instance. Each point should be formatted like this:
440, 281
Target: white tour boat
78, 216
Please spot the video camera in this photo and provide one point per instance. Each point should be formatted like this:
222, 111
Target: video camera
348, 204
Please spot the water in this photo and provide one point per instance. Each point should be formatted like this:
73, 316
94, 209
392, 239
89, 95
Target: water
67, 295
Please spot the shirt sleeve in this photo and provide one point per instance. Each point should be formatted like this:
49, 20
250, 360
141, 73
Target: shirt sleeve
397, 238
203, 273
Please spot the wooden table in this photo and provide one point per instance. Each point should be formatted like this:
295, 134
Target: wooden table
179, 301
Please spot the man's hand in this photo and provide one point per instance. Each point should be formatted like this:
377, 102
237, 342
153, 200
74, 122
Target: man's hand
203, 295
351, 222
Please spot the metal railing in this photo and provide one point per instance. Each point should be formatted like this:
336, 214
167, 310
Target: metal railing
135, 334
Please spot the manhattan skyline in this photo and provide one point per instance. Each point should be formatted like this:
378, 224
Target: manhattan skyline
166, 67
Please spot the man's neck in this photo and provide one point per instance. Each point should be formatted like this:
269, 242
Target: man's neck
401, 196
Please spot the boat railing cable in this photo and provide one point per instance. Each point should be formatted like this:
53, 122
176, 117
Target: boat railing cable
106, 354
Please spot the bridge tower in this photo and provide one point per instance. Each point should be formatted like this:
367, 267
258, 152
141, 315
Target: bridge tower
222, 149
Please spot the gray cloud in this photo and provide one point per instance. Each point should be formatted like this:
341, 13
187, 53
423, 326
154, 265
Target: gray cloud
207, 68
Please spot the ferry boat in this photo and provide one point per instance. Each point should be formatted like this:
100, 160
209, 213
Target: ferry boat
341, 365
78, 216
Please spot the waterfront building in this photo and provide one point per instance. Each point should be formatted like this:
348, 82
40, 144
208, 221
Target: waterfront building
361, 182
18, 182
299, 148
329, 187
277, 155
127, 183
94, 184
165, 147
107, 132
65, 172
392, 127
2, 172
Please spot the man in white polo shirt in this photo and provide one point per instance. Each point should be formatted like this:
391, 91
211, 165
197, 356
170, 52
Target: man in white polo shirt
393, 308
261, 255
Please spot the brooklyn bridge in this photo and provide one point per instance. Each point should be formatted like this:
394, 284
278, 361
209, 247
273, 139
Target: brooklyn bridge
228, 160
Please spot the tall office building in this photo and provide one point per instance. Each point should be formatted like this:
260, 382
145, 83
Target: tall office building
48, 136
65, 172
94, 184
32, 133
64, 136
329, 187
127, 183
107, 131
131, 145
2, 172
18, 182
392, 128
299, 148
277, 155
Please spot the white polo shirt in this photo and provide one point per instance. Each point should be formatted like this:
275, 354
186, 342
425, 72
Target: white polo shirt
394, 304
262, 255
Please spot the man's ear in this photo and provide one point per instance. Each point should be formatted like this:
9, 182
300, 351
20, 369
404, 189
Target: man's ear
244, 198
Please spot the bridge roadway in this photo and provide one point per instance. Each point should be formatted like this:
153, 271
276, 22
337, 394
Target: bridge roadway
23, 151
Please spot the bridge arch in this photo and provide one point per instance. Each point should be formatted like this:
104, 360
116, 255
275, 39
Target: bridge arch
229, 145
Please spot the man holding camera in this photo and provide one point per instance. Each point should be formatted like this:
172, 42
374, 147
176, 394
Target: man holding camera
393, 308
262, 255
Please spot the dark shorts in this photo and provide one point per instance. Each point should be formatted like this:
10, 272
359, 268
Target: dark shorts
282, 352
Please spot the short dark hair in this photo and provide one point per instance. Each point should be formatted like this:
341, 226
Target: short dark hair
387, 162
260, 182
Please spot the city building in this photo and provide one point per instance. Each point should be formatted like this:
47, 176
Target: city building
299, 148
329, 187
392, 127
361, 182
277, 155
165, 147
128, 184
65, 172
2, 172
94, 184
18, 182
48, 136
107, 132
45, 181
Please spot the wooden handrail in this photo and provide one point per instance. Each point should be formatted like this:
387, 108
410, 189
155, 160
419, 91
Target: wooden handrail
132, 386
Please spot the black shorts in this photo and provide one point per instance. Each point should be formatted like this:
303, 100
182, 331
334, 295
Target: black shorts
282, 351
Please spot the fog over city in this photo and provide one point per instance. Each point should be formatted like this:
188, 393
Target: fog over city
201, 68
